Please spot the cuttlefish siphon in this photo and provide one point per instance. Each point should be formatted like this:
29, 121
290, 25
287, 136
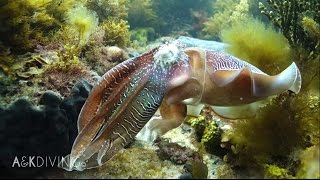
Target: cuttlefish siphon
169, 78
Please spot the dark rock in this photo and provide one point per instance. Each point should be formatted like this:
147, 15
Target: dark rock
2, 124
186, 175
43, 131
82, 88
50, 98
175, 153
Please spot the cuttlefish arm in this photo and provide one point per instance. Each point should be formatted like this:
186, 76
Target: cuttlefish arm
223, 81
122, 103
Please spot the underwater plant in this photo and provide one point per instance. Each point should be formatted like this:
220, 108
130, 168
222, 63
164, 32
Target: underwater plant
275, 172
299, 23
116, 32
62, 77
261, 45
25, 23
226, 13
141, 36
84, 21
208, 132
117, 9
282, 127
102, 59
141, 14
310, 165
294, 19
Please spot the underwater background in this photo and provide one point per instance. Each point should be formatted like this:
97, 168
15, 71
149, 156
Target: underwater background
52, 52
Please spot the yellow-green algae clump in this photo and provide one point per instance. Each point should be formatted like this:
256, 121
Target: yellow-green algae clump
283, 127
84, 21
116, 32
208, 132
262, 46
275, 172
310, 164
226, 13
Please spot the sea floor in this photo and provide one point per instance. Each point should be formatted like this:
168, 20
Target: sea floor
141, 161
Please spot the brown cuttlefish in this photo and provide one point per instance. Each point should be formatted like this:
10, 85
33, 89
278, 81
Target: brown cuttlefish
170, 78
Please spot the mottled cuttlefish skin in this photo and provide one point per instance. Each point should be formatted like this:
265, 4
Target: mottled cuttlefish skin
169, 78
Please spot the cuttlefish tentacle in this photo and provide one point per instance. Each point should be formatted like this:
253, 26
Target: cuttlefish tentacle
172, 115
124, 100
92, 118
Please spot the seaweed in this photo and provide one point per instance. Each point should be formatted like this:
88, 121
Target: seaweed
116, 32
84, 21
294, 19
208, 131
141, 14
310, 166
177, 15
261, 45
282, 127
275, 172
28, 23
225, 14
117, 9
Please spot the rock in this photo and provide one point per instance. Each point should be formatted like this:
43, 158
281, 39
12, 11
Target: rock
50, 98
175, 153
186, 176
42, 131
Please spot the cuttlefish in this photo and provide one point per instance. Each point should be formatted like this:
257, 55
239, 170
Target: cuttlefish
169, 78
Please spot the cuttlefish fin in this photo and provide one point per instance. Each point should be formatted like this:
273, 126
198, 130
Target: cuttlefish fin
289, 79
238, 112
